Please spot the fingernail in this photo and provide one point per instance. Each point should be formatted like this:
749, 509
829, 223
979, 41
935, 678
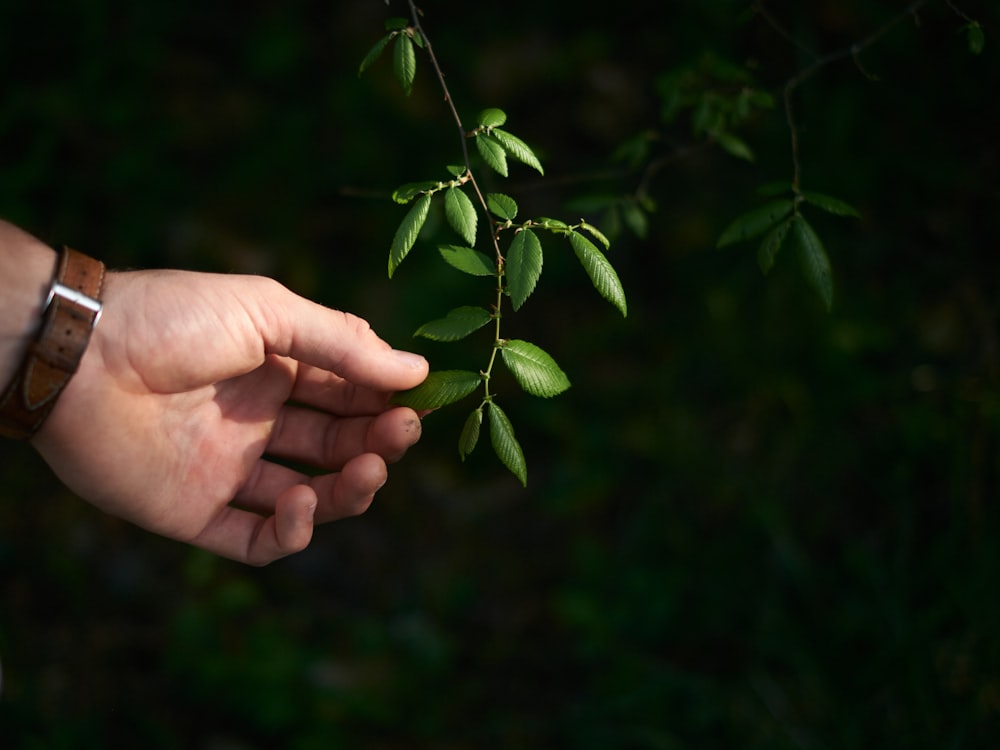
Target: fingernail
411, 360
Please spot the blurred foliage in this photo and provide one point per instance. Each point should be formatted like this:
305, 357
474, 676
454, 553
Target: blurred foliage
750, 523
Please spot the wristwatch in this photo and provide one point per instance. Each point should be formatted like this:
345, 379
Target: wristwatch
70, 314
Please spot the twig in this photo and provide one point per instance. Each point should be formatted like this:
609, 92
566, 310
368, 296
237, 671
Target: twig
416, 13
852, 50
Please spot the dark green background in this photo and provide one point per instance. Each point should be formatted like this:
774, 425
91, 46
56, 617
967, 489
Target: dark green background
749, 524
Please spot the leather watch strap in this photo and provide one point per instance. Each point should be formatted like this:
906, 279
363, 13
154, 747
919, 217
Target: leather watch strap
70, 315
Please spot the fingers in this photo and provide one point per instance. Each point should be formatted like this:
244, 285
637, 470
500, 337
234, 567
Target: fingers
342, 494
322, 440
330, 392
245, 535
339, 342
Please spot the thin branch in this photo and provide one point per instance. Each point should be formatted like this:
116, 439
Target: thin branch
852, 50
416, 13
959, 12
773, 22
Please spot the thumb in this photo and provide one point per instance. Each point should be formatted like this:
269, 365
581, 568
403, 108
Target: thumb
292, 326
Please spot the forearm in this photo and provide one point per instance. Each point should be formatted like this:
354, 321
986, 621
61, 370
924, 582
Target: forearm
26, 269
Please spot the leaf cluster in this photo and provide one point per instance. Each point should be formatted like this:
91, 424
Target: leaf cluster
405, 39
720, 97
514, 261
780, 222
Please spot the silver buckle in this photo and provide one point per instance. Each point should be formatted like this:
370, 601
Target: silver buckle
76, 297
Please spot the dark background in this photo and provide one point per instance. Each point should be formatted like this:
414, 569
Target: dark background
749, 524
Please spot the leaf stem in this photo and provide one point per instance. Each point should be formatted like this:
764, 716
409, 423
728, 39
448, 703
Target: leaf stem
415, 13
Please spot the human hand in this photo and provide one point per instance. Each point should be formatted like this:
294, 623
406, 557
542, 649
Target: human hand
193, 384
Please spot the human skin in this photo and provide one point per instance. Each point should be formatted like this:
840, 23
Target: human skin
193, 384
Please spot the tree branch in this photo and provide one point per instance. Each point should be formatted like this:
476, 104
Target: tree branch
820, 62
416, 13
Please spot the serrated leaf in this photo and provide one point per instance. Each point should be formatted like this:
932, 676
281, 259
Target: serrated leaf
374, 53
518, 149
456, 325
408, 231
492, 153
461, 214
535, 371
440, 388
467, 260
734, 146
831, 205
502, 205
456, 170
404, 62
523, 266
596, 233
815, 262
755, 222
505, 445
492, 118
406, 193
772, 243
602, 274
470, 433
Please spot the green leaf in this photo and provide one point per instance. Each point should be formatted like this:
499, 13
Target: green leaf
977, 38
505, 445
396, 23
734, 146
404, 62
600, 271
456, 325
461, 214
831, 205
374, 53
406, 193
440, 388
552, 224
535, 371
772, 243
457, 170
596, 233
502, 205
815, 262
492, 153
755, 222
492, 118
518, 149
408, 231
470, 433
635, 219
523, 267
467, 260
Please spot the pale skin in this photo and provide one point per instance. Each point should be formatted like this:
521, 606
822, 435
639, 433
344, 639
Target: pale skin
191, 387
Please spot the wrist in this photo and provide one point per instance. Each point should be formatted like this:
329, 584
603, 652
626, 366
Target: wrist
27, 266
62, 331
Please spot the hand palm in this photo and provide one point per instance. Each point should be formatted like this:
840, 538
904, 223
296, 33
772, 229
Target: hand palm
181, 398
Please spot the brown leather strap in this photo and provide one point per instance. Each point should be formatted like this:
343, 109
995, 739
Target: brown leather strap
71, 313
